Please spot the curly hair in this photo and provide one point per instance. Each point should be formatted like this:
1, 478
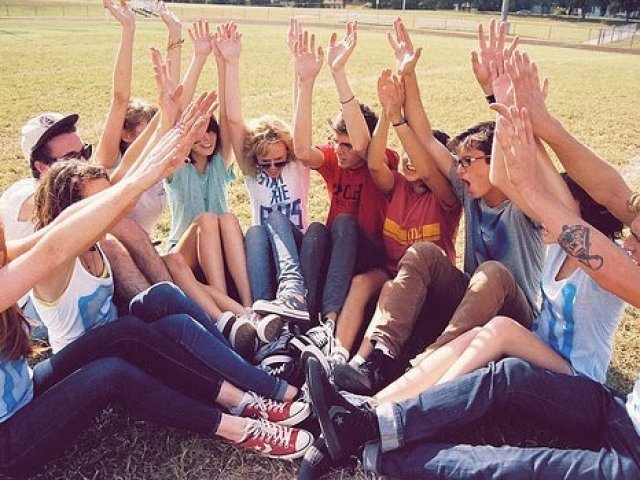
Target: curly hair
262, 133
61, 187
15, 339
138, 111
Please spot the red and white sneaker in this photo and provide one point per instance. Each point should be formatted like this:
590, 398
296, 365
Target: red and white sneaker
275, 441
283, 413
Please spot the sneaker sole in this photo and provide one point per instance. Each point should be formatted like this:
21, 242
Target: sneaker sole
263, 307
243, 339
269, 328
321, 409
299, 417
309, 350
291, 456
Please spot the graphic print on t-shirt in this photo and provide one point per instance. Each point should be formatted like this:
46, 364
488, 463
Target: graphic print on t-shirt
279, 199
347, 195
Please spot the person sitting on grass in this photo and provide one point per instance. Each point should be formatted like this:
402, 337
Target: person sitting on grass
127, 365
405, 438
357, 206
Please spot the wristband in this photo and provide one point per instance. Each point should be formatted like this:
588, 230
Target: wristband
401, 122
176, 44
347, 101
633, 204
491, 98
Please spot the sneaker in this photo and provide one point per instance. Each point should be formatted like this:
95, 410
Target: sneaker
288, 304
275, 441
241, 333
316, 461
268, 327
317, 342
345, 427
284, 413
370, 377
281, 359
322, 336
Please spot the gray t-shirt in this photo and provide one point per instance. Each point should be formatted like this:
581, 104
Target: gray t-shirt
504, 234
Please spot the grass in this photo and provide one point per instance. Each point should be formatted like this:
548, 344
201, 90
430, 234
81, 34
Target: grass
66, 66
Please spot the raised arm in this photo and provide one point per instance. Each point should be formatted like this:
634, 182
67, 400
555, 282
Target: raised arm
587, 168
338, 53
225, 139
295, 28
229, 44
109, 146
406, 58
376, 155
600, 258
174, 40
97, 214
201, 39
308, 62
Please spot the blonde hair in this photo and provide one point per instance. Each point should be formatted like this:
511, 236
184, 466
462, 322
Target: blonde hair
139, 110
262, 133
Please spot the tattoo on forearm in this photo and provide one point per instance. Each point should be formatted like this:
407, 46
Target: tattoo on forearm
575, 240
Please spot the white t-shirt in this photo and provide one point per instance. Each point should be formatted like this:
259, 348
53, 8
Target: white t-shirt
633, 405
578, 318
87, 303
10, 204
149, 208
289, 193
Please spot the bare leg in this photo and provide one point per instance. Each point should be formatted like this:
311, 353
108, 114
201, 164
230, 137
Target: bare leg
504, 337
128, 280
143, 253
211, 301
233, 242
429, 371
351, 319
200, 245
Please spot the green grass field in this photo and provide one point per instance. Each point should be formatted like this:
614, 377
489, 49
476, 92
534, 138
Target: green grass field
66, 66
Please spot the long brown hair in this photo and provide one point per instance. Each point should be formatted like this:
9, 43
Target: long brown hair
61, 187
15, 340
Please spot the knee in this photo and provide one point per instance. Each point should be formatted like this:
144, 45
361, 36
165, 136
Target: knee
207, 221
256, 235
421, 255
317, 235
128, 229
175, 262
494, 271
277, 219
499, 329
228, 220
343, 226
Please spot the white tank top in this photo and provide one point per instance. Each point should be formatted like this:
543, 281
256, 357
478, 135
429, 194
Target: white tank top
86, 303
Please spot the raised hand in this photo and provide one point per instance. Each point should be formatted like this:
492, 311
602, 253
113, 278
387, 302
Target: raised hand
294, 30
168, 93
172, 22
391, 95
121, 13
201, 38
530, 93
338, 53
481, 61
500, 81
308, 60
405, 55
229, 42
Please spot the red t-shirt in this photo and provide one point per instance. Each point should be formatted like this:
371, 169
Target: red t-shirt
354, 192
413, 217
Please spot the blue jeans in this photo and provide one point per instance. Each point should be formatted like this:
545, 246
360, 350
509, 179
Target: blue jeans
353, 251
124, 363
573, 405
280, 256
175, 315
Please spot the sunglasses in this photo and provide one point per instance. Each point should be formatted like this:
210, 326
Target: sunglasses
84, 153
467, 161
273, 164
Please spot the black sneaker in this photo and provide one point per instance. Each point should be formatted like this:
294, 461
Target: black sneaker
345, 427
316, 461
241, 333
370, 377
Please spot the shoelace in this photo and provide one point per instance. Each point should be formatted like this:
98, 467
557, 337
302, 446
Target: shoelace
261, 429
265, 404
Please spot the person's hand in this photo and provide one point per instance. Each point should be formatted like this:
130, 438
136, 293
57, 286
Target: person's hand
201, 38
530, 93
168, 93
500, 81
172, 22
308, 60
391, 95
121, 12
338, 53
294, 30
229, 42
405, 55
489, 52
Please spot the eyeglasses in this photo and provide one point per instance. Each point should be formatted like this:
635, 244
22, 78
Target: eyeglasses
467, 161
85, 153
272, 164
342, 145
